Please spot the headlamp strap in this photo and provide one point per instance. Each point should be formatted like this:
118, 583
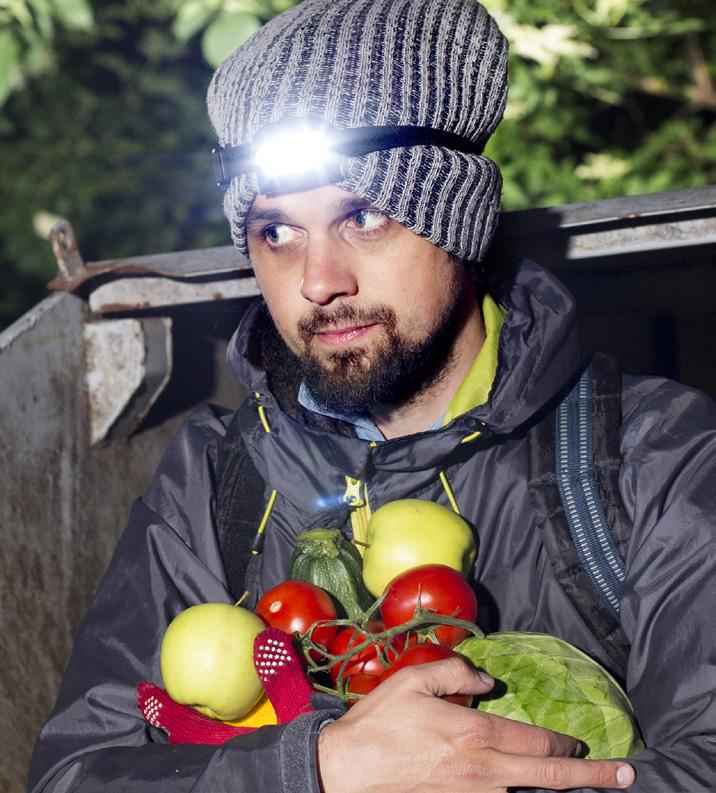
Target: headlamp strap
231, 161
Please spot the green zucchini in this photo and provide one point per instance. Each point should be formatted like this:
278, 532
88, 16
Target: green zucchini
326, 558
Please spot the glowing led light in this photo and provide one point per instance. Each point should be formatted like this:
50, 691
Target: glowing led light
292, 153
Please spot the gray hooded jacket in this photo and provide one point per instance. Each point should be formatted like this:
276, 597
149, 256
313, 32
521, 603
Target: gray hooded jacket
168, 559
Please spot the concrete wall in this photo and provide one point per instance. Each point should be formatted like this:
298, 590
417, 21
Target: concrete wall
63, 503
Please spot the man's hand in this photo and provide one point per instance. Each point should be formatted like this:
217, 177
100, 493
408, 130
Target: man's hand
403, 737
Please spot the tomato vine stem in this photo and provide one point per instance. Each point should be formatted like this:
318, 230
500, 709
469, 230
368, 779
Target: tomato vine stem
422, 623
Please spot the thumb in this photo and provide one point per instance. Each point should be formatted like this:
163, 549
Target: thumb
451, 676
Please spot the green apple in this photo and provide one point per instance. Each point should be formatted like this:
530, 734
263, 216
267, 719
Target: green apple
410, 532
207, 660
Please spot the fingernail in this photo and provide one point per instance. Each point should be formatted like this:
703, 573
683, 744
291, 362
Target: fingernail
485, 677
625, 775
579, 749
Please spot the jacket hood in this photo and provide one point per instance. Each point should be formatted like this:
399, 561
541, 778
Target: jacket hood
307, 457
539, 351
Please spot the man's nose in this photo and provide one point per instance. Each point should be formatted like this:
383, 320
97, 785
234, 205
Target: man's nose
327, 275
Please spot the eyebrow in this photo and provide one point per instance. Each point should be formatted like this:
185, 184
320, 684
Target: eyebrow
347, 205
256, 217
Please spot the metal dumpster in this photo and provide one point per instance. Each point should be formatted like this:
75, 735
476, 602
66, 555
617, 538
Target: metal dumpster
95, 379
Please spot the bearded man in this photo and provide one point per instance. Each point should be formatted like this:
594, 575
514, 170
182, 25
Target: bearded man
387, 359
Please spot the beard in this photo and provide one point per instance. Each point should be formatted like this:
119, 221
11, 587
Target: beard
392, 372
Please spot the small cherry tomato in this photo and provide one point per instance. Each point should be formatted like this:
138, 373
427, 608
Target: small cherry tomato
367, 661
293, 606
432, 587
367, 666
361, 684
426, 653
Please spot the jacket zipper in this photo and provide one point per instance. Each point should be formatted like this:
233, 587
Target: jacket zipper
356, 496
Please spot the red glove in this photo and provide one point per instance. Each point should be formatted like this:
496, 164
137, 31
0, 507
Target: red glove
281, 673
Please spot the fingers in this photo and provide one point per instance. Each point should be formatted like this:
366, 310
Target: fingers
514, 737
442, 678
455, 676
554, 773
505, 753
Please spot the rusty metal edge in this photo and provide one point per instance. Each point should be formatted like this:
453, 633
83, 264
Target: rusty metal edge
180, 265
668, 204
28, 321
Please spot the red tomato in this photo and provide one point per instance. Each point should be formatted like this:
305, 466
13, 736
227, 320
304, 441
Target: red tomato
361, 684
366, 661
424, 654
293, 606
366, 666
433, 587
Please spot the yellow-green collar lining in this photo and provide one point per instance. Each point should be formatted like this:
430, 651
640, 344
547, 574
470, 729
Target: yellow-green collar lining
475, 388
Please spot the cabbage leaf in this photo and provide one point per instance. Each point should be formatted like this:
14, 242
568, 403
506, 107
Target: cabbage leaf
548, 682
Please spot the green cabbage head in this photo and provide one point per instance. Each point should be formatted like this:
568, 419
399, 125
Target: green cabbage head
552, 684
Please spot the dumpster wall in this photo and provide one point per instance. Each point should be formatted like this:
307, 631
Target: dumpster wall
64, 503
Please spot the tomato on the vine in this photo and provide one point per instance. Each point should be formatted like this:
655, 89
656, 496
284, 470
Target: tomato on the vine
435, 588
360, 683
426, 653
366, 661
423, 653
293, 606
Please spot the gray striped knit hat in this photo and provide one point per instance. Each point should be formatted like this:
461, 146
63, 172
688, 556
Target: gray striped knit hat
355, 63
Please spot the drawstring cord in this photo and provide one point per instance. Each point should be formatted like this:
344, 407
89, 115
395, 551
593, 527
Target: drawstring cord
449, 493
257, 546
262, 413
258, 543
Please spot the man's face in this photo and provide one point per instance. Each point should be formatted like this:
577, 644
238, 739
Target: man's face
371, 310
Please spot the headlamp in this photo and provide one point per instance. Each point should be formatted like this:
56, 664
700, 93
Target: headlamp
298, 154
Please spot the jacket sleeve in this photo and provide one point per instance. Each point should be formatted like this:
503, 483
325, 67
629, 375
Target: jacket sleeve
669, 600
166, 560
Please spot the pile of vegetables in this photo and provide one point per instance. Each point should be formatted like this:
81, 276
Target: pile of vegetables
359, 620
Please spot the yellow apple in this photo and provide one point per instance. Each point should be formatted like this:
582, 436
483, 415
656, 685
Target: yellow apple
410, 532
207, 660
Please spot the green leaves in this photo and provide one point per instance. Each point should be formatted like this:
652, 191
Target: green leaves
74, 14
115, 139
193, 16
27, 28
549, 683
224, 24
9, 63
226, 33
596, 87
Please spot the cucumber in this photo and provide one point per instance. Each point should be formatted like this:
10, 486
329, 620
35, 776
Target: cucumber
326, 558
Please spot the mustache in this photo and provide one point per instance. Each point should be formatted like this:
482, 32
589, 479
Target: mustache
322, 319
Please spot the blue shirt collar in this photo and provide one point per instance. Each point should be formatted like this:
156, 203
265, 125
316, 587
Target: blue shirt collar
365, 428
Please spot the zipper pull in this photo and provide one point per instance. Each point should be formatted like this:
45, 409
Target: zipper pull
352, 496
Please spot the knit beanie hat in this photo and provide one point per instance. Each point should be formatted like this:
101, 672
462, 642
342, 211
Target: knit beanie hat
357, 63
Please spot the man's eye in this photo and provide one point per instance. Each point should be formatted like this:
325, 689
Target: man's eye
369, 220
279, 234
